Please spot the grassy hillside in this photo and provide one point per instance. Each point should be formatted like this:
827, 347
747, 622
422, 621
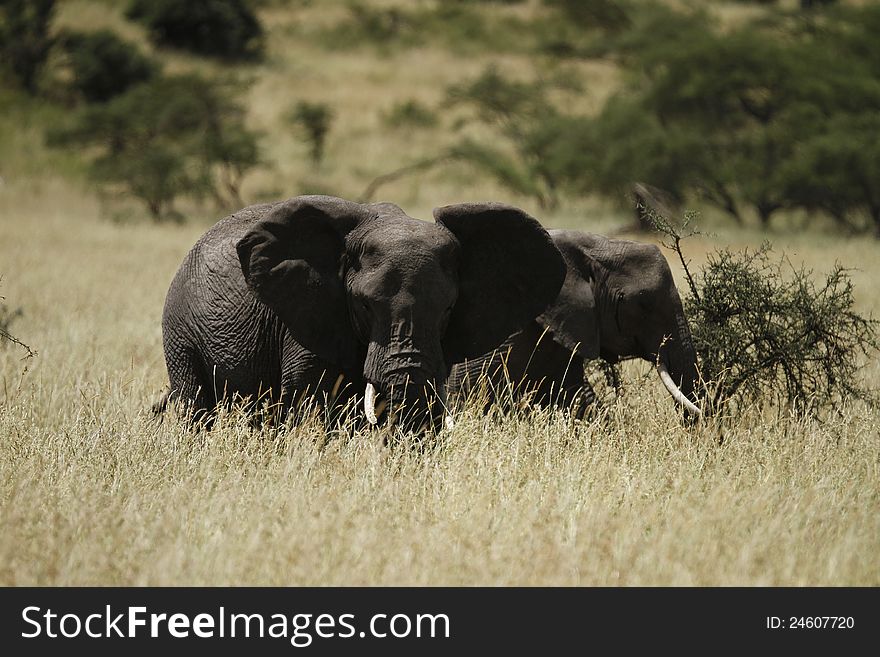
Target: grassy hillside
93, 491
307, 59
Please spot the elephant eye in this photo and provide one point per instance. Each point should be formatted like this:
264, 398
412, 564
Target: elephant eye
346, 264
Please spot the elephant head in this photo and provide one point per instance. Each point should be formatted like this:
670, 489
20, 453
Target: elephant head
367, 287
619, 301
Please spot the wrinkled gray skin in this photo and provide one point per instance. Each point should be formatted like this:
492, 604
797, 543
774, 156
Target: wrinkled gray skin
618, 301
281, 299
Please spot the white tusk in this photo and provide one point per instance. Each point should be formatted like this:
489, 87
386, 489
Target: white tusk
677, 394
370, 404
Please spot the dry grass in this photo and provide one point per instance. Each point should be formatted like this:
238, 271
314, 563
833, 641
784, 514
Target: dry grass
92, 491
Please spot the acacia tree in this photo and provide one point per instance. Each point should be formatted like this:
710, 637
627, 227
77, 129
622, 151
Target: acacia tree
628, 144
837, 162
836, 171
25, 38
540, 148
731, 91
172, 136
102, 65
228, 29
735, 117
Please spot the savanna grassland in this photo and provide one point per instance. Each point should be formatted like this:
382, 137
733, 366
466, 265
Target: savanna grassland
94, 491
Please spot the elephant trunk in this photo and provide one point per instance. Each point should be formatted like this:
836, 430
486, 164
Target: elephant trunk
677, 364
403, 384
413, 404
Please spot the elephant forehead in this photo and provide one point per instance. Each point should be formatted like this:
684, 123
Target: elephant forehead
404, 238
403, 259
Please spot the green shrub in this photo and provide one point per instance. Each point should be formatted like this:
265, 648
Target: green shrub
25, 39
767, 331
410, 113
220, 28
103, 65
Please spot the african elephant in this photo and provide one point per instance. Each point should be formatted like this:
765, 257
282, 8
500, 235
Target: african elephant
618, 301
290, 298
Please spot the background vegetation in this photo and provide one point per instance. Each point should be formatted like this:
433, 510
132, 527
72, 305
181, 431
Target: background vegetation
762, 115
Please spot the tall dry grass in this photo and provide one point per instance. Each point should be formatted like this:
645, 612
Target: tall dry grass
93, 491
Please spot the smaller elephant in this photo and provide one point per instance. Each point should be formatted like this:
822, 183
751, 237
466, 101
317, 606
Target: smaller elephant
618, 301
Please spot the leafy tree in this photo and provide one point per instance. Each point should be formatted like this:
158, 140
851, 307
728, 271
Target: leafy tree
168, 137
501, 166
499, 100
548, 152
851, 32
730, 90
573, 28
103, 65
627, 143
156, 174
233, 150
220, 28
25, 39
744, 102
836, 170
315, 119
542, 148
655, 29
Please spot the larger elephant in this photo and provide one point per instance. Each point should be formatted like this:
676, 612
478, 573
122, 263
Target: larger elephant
618, 301
293, 297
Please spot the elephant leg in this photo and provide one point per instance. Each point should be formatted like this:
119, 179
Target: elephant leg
190, 388
484, 378
583, 401
576, 393
557, 379
309, 381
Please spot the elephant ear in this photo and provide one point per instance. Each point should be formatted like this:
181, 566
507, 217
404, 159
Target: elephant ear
509, 271
572, 319
291, 261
